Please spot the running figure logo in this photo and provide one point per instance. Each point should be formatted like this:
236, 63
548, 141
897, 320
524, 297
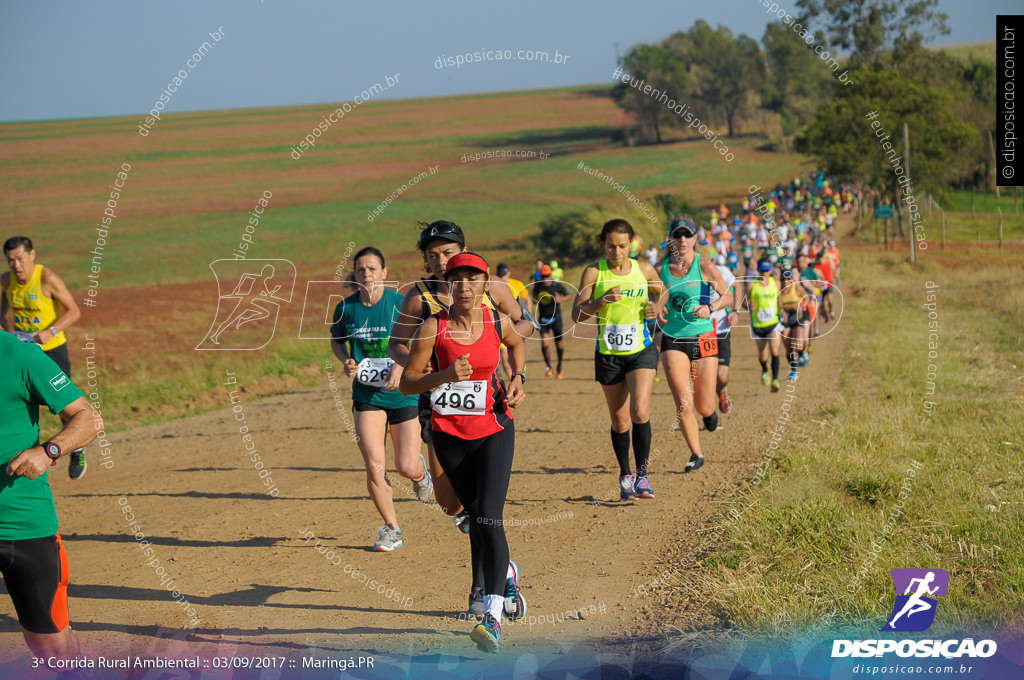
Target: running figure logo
247, 316
914, 611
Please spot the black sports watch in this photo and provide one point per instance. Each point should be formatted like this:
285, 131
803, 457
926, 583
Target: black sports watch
520, 374
53, 451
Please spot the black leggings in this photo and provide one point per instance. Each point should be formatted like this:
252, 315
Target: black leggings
479, 470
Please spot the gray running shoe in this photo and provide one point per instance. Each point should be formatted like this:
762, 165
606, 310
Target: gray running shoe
76, 466
388, 539
425, 486
476, 603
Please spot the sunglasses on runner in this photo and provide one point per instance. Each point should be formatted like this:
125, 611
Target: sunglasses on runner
442, 229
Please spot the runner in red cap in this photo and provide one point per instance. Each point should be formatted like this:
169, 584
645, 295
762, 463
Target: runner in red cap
473, 433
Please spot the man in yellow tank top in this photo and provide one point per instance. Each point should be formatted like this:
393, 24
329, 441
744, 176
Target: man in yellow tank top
42, 309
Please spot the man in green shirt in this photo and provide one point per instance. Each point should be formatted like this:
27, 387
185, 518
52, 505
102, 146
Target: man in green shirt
32, 557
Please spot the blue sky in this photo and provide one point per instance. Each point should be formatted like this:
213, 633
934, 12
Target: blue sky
83, 59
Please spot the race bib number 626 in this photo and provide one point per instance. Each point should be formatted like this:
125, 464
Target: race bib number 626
374, 372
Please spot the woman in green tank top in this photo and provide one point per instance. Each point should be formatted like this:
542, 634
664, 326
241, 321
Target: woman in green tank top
689, 344
617, 290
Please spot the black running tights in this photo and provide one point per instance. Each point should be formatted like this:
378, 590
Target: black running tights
479, 470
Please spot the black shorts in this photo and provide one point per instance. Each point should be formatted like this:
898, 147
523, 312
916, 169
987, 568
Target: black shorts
611, 369
551, 326
724, 349
694, 347
764, 333
797, 318
61, 358
423, 411
36, 575
395, 415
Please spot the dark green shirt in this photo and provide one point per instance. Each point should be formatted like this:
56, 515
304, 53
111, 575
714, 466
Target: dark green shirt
28, 379
367, 330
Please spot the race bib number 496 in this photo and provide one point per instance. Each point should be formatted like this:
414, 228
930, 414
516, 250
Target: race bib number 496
465, 398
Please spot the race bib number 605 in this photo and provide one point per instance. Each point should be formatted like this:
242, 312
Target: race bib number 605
465, 398
621, 337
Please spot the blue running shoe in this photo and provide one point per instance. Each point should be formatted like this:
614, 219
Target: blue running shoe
792, 376
626, 492
515, 603
643, 487
487, 634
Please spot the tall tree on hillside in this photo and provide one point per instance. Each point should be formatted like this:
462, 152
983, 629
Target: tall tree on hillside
971, 85
871, 27
843, 139
796, 84
654, 69
727, 72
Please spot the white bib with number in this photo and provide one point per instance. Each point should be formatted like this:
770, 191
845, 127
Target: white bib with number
464, 398
766, 315
24, 336
374, 372
621, 337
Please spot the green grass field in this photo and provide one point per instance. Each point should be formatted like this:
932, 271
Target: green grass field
809, 533
195, 178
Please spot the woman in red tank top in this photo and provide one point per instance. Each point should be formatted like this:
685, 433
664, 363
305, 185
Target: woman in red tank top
473, 432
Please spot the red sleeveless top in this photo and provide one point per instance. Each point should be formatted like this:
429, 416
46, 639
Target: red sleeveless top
474, 408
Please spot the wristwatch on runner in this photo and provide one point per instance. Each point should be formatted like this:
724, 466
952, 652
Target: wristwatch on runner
54, 331
53, 451
520, 374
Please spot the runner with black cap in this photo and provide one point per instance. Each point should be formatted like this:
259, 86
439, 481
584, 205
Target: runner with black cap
689, 344
439, 241
454, 355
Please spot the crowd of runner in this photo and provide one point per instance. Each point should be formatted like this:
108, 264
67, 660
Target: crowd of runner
446, 363
453, 346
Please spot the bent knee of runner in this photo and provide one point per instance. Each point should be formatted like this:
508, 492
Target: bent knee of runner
639, 413
409, 469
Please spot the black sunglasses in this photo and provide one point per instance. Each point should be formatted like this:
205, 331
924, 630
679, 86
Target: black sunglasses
440, 228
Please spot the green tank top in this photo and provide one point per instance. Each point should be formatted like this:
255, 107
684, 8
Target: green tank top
764, 304
622, 329
686, 294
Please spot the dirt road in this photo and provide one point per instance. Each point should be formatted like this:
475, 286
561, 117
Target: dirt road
250, 566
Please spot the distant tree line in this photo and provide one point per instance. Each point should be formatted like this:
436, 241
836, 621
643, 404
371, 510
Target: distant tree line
736, 83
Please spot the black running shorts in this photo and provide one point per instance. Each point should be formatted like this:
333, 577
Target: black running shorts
695, 348
36, 575
395, 415
424, 410
551, 326
611, 369
724, 349
61, 358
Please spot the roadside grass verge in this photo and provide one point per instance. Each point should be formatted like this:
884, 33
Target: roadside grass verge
819, 535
